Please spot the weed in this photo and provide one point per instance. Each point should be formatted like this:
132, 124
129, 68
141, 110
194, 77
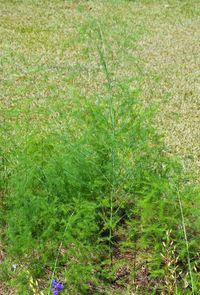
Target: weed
85, 173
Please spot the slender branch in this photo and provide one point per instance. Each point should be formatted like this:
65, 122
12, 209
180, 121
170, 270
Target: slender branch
186, 243
58, 252
102, 53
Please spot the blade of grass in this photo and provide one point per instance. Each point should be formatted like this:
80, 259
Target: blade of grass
186, 243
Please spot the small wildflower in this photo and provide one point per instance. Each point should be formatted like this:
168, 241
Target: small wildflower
56, 287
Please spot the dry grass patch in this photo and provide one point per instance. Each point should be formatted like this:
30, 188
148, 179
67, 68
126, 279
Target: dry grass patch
172, 62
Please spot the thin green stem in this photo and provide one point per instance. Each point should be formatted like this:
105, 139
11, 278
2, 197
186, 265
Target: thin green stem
186, 243
58, 252
102, 53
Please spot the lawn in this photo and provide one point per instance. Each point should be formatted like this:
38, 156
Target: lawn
100, 146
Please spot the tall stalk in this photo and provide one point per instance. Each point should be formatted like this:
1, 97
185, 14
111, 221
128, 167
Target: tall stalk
58, 253
102, 54
186, 243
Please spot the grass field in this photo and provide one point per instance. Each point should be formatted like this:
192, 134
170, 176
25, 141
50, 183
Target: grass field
100, 146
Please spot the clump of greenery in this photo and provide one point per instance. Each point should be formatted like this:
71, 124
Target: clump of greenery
89, 182
98, 179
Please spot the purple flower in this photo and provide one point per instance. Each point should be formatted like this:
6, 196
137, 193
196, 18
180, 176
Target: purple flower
56, 287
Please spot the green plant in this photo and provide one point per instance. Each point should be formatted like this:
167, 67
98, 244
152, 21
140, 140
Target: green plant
89, 178
71, 170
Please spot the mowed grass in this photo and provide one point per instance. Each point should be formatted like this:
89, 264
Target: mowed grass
54, 51
49, 48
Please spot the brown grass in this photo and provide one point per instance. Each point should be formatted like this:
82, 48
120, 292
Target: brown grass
172, 63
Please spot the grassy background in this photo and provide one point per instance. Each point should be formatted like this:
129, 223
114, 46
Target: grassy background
49, 47
51, 54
